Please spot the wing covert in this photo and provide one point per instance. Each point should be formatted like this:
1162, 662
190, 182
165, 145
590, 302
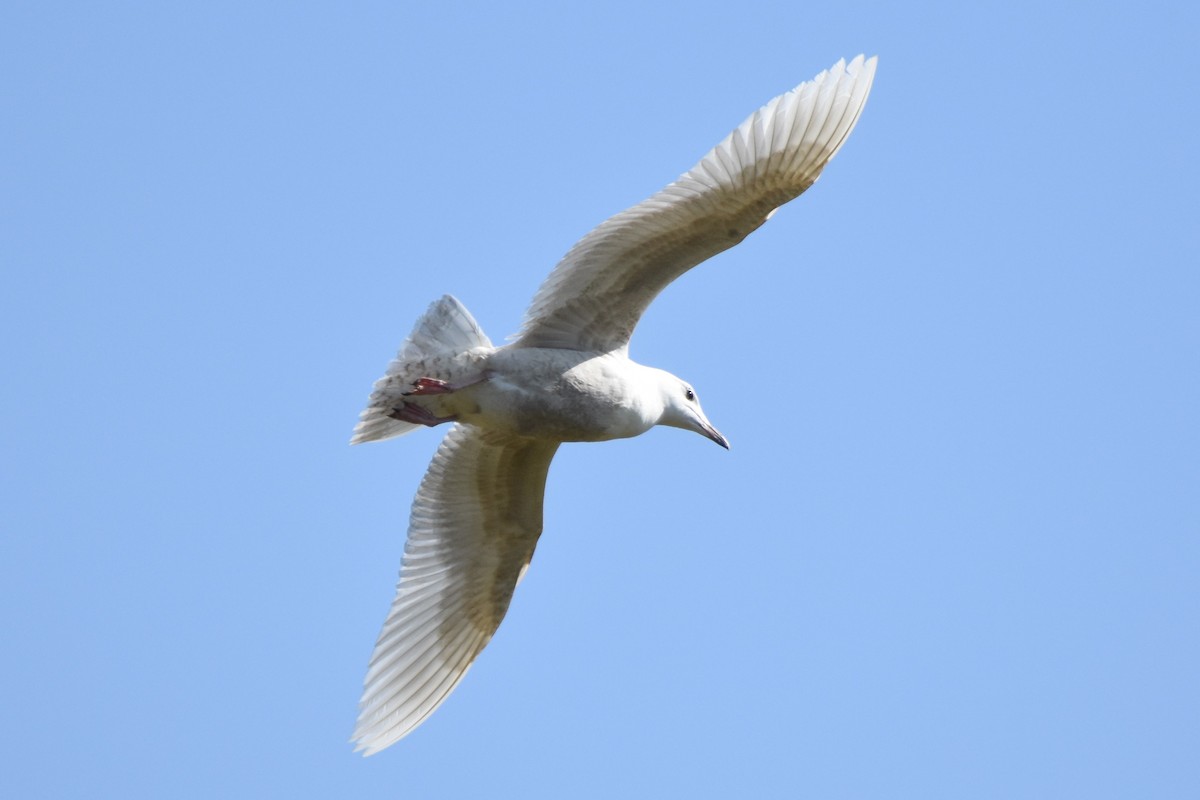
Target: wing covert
475, 522
595, 296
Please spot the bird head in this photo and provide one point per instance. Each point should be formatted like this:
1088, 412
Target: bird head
681, 409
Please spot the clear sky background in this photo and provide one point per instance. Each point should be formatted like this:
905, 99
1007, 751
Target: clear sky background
954, 551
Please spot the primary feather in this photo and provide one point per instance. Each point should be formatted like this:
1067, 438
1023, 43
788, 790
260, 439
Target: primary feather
595, 296
475, 523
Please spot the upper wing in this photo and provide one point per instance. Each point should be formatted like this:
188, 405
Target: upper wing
595, 296
475, 522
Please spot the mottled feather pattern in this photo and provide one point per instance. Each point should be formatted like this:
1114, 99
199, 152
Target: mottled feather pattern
445, 343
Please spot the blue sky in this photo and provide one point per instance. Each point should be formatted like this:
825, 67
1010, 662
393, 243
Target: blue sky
953, 551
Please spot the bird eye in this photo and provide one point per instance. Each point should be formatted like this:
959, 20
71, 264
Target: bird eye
689, 394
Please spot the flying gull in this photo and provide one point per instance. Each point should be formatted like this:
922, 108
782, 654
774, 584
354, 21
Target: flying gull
566, 377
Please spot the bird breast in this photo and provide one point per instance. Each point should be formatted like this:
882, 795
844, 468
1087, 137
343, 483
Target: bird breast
563, 395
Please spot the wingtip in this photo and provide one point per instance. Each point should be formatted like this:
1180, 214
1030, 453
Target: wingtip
363, 748
864, 65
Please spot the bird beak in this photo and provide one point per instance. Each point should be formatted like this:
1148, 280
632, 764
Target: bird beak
709, 431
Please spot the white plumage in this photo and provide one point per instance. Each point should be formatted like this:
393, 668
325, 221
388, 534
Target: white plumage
566, 377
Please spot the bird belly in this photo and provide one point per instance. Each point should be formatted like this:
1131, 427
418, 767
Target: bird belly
564, 396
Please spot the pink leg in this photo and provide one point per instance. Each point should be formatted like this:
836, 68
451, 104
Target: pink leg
426, 386
423, 386
417, 415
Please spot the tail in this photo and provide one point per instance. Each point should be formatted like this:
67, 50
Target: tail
445, 331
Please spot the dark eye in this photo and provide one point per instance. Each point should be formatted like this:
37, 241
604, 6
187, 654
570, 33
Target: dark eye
689, 394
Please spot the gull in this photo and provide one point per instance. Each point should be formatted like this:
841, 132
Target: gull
565, 377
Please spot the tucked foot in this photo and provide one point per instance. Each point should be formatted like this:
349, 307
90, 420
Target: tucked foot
427, 386
418, 415
424, 386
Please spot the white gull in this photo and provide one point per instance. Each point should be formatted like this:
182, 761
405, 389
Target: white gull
566, 377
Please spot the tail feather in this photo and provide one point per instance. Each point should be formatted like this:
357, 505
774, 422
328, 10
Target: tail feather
446, 328
445, 331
